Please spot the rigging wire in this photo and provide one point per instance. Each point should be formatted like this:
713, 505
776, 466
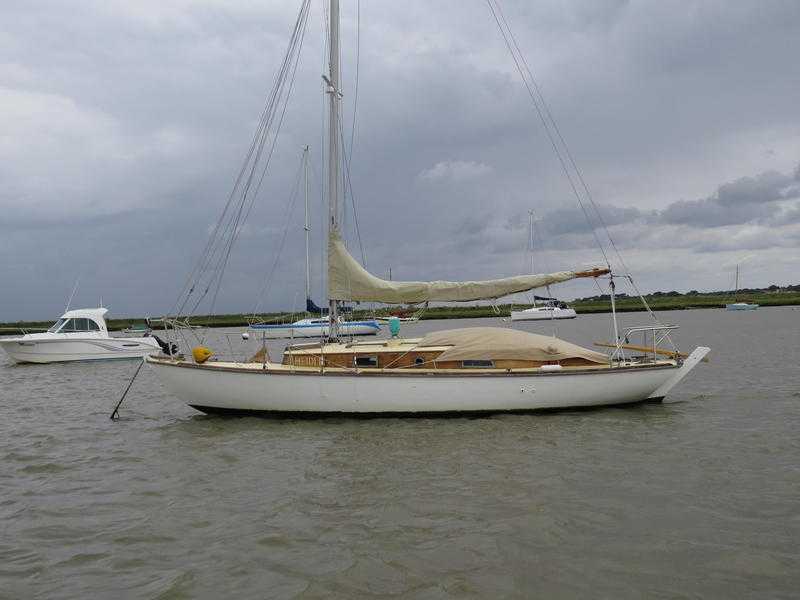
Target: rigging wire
236, 226
349, 185
217, 258
543, 119
288, 217
567, 151
355, 85
209, 269
535, 91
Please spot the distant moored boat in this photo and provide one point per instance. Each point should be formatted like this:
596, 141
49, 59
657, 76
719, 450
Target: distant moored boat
739, 305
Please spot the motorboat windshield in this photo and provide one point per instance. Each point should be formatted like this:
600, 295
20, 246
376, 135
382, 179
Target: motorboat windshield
75, 325
56, 326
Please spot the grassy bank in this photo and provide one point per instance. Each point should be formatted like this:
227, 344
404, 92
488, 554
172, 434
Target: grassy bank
657, 301
624, 304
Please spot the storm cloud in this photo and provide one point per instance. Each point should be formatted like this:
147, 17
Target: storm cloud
124, 125
744, 200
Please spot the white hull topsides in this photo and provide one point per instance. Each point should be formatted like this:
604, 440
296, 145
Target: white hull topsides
543, 313
250, 387
741, 306
64, 350
315, 329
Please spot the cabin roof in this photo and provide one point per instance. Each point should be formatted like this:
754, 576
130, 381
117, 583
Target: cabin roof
91, 313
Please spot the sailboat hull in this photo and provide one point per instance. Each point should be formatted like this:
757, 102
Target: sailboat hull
543, 313
741, 306
250, 388
315, 329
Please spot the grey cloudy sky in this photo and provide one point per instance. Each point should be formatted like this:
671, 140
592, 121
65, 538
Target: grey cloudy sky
124, 124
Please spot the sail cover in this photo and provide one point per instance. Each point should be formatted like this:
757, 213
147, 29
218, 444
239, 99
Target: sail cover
348, 280
495, 343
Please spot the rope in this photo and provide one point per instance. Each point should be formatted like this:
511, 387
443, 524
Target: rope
288, 217
531, 87
352, 200
355, 85
536, 93
208, 272
236, 226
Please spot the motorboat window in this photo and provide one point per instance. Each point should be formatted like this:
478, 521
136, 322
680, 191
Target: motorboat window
68, 327
75, 325
56, 326
93, 326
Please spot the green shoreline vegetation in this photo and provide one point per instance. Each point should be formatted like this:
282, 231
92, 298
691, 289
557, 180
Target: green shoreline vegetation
772, 296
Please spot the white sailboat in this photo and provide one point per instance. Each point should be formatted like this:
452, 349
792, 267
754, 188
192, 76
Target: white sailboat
456, 371
313, 327
551, 309
739, 305
77, 335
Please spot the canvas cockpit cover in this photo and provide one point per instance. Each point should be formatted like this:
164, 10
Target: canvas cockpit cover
494, 343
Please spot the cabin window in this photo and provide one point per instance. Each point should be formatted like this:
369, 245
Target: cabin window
56, 326
366, 361
75, 325
472, 364
69, 326
419, 361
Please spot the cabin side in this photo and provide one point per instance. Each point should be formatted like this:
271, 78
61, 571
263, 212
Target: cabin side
405, 355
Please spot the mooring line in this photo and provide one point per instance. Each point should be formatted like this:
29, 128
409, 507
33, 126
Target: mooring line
125, 393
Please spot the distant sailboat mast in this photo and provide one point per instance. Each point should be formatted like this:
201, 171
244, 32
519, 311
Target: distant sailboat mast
307, 228
736, 284
530, 248
333, 145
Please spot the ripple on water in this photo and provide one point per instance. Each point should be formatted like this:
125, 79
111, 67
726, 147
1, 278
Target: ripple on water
693, 498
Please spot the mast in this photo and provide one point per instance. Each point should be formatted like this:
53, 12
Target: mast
307, 227
530, 234
736, 288
333, 144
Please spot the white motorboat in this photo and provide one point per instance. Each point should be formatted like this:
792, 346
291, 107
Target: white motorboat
470, 370
542, 313
315, 328
77, 335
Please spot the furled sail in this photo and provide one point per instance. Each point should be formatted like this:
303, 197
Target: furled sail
348, 280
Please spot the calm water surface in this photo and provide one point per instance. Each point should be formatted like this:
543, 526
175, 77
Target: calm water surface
698, 497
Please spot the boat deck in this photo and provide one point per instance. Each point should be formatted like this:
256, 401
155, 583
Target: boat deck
280, 368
